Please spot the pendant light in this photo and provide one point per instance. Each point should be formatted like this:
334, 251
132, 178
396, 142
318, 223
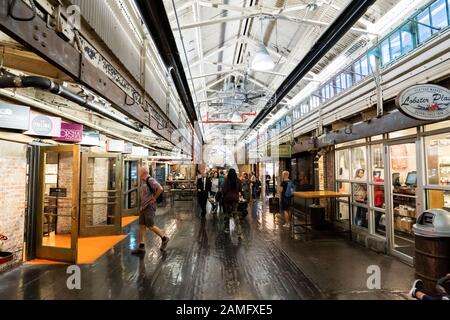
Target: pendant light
262, 60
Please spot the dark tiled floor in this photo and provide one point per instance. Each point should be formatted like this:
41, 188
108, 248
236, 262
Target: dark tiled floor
202, 262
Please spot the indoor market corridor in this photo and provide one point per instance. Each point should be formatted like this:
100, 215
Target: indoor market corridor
202, 262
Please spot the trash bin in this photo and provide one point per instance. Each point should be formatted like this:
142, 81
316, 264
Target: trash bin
432, 242
317, 216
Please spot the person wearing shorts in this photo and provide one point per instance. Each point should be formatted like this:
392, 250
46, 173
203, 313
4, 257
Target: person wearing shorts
150, 191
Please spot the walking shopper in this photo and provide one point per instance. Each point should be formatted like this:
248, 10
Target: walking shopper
150, 191
230, 193
286, 190
214, 191
203, 189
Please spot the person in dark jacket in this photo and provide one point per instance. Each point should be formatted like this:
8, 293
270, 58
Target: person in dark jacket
203, 190
230, 192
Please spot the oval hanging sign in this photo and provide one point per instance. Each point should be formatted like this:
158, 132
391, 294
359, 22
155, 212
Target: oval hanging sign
425, 102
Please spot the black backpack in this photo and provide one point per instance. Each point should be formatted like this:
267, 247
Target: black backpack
160, 197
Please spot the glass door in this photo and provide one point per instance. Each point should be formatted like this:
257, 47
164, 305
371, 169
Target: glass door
403, 197
57, 203
131, 187
101, 194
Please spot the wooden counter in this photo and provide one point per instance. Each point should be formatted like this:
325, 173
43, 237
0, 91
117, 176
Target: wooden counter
320, 194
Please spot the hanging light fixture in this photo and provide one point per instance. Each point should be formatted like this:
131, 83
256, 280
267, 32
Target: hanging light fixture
262, 60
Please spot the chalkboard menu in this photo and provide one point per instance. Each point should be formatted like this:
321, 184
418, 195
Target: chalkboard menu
160, 174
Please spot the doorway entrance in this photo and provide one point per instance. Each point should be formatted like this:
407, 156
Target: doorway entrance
101, 194
57, 203
131, 187
403, 197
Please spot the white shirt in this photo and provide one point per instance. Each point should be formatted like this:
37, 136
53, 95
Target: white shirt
215, 184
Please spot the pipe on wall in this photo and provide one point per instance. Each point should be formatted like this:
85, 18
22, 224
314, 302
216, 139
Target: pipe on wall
52, 87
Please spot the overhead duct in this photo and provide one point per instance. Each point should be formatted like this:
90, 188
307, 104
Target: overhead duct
48, 85
155, 17
343, 23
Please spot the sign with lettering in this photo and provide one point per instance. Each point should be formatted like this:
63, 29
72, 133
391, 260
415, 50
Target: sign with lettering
14, 117
42, 125
139, 152
71, 132
58, 192
425, 102
281, 151
115, 145
128, 148
90, 138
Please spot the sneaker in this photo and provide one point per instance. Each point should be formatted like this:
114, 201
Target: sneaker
286, 225
417, 286
139, 250
164, 242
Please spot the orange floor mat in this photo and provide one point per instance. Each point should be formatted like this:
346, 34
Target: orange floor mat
127, 220
89, 248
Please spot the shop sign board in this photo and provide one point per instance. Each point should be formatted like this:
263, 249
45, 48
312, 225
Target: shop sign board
425, 102
90, 138
42, 125
113, 145
139, 152
128, 148
281, 151
14, 116
58, 192
71, 132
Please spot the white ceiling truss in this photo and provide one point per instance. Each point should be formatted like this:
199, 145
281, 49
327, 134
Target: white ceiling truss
221, 38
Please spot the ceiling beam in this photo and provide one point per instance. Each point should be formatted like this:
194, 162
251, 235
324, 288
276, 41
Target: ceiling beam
340, 26
209, 22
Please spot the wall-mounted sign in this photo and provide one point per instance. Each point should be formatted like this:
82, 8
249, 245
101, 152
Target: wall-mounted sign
14, 117
90, 138
425, 102
139, 152
128, 148
58, 192
281, 151
115, 145
71, 132
42, 125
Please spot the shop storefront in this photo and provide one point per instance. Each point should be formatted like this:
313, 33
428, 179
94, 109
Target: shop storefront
393, 177
61, 183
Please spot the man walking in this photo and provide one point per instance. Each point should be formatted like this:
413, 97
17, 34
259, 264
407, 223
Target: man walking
150, 191
203, 189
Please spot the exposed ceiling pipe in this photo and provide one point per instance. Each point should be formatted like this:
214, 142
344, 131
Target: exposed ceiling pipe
342, 24
155, 18
42, 106
48, 85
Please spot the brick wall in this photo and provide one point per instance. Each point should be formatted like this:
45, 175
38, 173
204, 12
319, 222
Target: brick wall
13, 163
97, 176
65, 174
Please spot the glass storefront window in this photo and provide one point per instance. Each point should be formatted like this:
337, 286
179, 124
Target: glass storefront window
359, 193
402, 133
344, 187
377, 163
378, 196
360, 217
359, 163
376, 138
380, 222
343, 164
438, 199
407, 39
437, 153
385, 55
438, 125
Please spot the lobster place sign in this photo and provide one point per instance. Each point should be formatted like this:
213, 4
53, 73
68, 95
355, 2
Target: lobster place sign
425, 102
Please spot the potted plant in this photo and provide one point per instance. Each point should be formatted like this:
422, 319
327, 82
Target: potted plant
4, 256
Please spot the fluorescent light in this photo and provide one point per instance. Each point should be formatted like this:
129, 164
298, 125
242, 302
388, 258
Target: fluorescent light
262, 60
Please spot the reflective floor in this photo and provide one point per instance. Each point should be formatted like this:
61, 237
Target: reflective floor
203, 262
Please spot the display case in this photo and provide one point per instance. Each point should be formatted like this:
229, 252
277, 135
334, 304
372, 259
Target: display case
405, 212
182, 190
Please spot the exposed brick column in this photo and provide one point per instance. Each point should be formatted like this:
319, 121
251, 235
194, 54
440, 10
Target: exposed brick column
13, 162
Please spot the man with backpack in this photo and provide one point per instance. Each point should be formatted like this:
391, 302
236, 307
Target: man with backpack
151, 191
